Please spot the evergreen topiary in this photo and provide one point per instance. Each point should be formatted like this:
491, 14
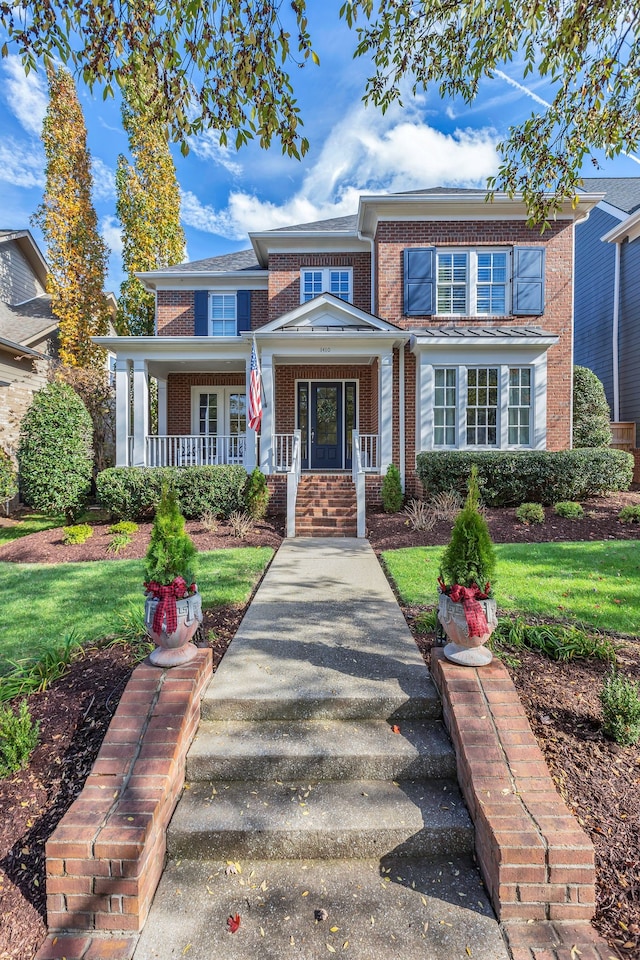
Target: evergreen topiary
256, 494
171, 551
392, 495
470, 557
8, 485
591, 413
54, 453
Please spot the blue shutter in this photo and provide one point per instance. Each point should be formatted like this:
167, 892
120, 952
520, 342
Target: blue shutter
419, 280
201, 313
528, 281
243, 310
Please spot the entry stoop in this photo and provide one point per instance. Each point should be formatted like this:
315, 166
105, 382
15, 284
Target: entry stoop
326, 506
321, 804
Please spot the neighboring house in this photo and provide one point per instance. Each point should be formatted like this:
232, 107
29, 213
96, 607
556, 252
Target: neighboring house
28, 329
431, 320
607, 296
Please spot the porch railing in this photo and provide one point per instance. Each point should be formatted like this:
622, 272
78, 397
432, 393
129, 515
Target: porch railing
293, 479
357, 473
368, 443
283, 451
194, 450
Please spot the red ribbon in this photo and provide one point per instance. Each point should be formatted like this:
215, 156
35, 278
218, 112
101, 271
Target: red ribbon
167, 595
473, 612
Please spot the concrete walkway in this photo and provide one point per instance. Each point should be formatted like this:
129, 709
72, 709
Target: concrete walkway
321, 803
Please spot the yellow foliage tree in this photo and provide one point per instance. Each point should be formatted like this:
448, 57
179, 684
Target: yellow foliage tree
148, 206
76, 252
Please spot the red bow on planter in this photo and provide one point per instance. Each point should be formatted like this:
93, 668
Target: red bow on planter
473, 612
167, 595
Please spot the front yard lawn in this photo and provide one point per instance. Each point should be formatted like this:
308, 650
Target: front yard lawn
592, 583
43, 602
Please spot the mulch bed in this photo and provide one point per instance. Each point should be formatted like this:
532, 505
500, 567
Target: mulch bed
600, 781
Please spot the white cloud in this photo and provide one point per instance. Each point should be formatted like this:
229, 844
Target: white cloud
21, 163
365, 152
104, 180
25, 94
207, 146
112, 234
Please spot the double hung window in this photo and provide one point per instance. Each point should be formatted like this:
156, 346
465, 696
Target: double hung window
471, 408
335, 280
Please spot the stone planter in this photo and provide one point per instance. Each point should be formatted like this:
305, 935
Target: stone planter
463, 649
174, 648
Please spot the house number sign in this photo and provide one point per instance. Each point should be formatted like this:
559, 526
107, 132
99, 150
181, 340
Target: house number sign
325, 349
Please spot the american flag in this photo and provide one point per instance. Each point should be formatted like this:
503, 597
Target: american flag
255, 391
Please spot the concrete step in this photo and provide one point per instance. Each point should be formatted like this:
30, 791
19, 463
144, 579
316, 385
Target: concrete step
326, 820
397, 910
319, 750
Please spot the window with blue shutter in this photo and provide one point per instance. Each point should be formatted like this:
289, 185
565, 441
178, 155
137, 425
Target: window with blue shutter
528, 281
419, 281
244, 310
201, 313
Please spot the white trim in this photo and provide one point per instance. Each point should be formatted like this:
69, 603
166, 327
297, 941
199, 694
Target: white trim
224, 418
471, 285
628, 229
326, 282
615, 336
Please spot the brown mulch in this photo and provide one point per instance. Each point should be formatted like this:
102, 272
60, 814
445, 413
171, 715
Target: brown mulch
600, 781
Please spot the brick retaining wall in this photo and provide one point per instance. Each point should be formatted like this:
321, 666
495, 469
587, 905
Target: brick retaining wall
536, 861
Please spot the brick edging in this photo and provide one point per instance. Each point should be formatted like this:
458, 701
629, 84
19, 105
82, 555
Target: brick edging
105, 857
535, 859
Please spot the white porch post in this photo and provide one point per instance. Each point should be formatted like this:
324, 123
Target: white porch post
385, 409
162, 407
140, 411
268, 420
122, 413
250, 451
424, 403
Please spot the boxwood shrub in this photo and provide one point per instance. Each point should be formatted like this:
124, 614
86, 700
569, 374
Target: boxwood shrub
538, 476
132, 493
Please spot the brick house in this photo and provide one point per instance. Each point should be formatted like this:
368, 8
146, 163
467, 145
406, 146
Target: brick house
428, 320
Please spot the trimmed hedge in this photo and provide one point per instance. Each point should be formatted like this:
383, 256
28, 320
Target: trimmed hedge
133, 493
538, 476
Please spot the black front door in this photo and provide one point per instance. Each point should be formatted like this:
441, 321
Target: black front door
325, 426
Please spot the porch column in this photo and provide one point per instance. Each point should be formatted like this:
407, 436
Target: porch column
268, 420
424, 402
162, 407
250, 451
123, 407
140, 411
385, 409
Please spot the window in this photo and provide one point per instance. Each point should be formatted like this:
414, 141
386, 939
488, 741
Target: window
222, 308
472, 283
519, 406
444, 408
453, 278
491, 287
482, 406
325, 280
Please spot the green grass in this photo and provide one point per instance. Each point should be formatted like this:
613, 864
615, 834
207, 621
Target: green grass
29, 523
595, 584
43, 602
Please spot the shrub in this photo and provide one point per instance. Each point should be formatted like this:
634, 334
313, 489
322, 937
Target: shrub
470, 557
54, 452
118, 542
510, 478
35, 674
76, 534
446, 505
209, 521
127, 527
620, 701
630, 513
133, 493
392, 496
530, 513
420, 515
256, 494
8, 484
568, 509
241, 524
591, 413
18, 739
171, 552
555, 640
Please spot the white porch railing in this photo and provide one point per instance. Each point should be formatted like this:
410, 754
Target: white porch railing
368, 443
357, 473
194, 450
283, 451
293, 479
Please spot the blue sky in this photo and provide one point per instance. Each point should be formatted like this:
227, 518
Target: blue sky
225, 194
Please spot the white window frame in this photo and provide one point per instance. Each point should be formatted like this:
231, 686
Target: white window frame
325, 282
224, 417
471, 285
233, 323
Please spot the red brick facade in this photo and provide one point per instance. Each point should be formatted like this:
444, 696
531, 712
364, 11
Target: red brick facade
284, 278
174, 314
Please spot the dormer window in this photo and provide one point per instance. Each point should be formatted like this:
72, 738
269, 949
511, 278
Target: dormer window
335, 280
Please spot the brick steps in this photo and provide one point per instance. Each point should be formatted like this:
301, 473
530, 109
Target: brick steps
326, 506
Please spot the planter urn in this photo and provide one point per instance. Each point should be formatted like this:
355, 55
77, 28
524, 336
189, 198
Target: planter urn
173, 646
464, 647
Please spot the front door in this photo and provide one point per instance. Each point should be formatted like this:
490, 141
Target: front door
325, 426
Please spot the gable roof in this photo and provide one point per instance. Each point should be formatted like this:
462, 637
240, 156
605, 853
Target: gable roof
28, 321
328, 313
30, 251
620, 192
